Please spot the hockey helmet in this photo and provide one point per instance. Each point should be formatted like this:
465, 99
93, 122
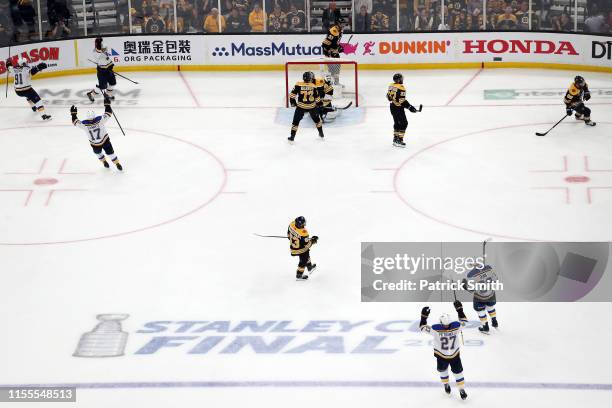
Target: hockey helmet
91, 115
300, 222
445, 319
398, 78
327, 77
98, 44
22, 62
308, 77
579, 81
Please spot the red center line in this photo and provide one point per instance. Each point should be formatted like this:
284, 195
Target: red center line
464, 86
195, 100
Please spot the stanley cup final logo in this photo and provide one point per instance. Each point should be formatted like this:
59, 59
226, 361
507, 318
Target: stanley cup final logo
105, 340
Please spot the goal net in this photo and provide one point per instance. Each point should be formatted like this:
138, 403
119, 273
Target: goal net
343, 75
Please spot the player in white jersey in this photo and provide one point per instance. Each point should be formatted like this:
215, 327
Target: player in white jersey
97, 134
22, 72
446, 343
484, 300
104, 69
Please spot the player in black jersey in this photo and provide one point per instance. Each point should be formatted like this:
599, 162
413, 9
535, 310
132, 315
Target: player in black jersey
576, 95
396, 94
332, 48
299, 244
305, 98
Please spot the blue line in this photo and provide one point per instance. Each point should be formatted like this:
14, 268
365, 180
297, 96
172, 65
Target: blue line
320, 384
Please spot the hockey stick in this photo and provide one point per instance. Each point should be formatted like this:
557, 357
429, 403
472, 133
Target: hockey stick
117, 120
270, 236
421, 108
555, 125
346, 107
484, 248
7, 73
116, 73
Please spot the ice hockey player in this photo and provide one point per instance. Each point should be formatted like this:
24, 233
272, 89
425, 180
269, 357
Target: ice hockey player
484, 300
97, 134
576, 95
22, 72
396, 94
332, 48
327, 110
104, 69
299, 244
446, 345
305, 98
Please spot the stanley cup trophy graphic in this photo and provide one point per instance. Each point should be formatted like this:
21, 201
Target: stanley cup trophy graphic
105, 340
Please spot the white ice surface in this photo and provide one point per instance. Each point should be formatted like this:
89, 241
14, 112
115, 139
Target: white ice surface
207, 165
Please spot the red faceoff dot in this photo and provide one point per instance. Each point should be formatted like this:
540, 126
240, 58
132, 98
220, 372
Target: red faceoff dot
577, 179
45, 181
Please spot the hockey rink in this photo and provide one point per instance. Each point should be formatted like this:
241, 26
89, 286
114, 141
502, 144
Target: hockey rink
213, 315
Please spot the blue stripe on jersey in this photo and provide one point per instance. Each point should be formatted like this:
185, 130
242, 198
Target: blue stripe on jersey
91, 121
451, 327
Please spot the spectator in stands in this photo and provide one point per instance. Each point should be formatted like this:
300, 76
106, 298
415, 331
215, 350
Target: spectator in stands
475, 20
330, 15
236, 22
460, 21
523, 16
5, 25
185, 16
211, 22
596, 22
437, 23
256, 19
362, 20
277, 20
156, 23
201, 9
296, 19
423, 21
542, 9
23, 14
379, 21
58, 15
243, 6
421, 4
562, 23
507, 21
473, 5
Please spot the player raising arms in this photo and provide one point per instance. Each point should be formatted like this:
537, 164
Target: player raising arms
574, 97
484, 300
96, 132
396, 94
299, 244
23, 73
332, 48
305, 98
105, 73
446, 345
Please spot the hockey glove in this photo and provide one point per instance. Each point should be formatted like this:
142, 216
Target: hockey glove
568, 110
458, 305
587, 96
425, 312
341, 49
42, 66
314, 239
412, 109
73, 110
292, 102
9, 63
107, 100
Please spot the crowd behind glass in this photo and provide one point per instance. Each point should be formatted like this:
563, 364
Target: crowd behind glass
29, 20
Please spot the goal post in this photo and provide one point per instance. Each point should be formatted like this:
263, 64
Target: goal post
344, 74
